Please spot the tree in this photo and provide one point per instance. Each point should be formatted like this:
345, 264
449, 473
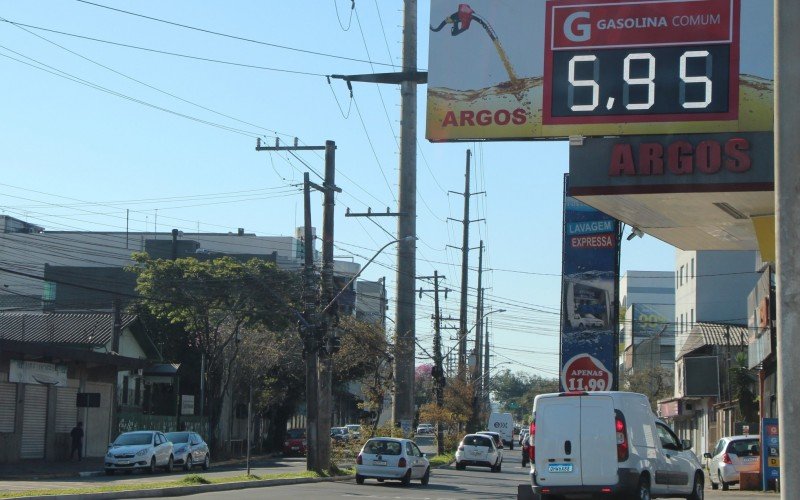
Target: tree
516, 391
742, 382
655, 383
217, 302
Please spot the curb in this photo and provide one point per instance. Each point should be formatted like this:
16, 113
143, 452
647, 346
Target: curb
177, 491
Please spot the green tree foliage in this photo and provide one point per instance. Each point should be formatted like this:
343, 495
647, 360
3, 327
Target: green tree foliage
515, 392
742, 388
655, 383
216, 303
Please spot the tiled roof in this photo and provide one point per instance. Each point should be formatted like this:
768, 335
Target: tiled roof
60, 328
703, 334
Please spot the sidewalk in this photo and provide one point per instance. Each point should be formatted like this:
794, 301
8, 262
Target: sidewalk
39, 469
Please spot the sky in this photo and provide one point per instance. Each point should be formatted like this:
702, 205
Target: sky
91, 127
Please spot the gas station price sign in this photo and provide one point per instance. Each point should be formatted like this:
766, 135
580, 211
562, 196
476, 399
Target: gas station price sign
641, 61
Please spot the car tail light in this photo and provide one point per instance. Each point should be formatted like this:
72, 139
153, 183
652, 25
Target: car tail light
532, 448
359, 460
726, 459
622, 436
401, 462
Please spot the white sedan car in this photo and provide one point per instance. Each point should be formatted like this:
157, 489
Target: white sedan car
392, 458
731, 456
139, 450
479, 450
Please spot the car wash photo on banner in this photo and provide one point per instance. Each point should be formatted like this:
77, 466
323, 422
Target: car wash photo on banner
588, 297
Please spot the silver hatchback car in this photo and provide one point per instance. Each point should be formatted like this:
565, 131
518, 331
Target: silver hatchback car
189, 450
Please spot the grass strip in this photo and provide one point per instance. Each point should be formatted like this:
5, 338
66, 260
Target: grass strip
443, 459
191, 480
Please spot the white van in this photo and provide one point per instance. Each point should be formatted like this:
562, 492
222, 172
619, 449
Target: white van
587, 443
503, 424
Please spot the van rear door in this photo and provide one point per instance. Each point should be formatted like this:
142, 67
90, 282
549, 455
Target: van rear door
598, 441
558, 441
576, 441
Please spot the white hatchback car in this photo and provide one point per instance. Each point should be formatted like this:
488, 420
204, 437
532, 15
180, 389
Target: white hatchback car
731, 456
392, 458
479, 450
139, 450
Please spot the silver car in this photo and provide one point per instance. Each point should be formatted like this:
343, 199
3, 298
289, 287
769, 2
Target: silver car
189, 450
143, 450
731, 456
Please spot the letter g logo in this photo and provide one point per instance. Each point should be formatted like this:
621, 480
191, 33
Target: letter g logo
577, 32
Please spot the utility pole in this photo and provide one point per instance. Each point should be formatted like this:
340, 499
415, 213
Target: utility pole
313, 328
476, 370
485, 386
462, 318
438, 368
329, 321
787, 236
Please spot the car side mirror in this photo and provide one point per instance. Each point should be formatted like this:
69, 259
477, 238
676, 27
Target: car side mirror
707, 455
424, 455
687, 444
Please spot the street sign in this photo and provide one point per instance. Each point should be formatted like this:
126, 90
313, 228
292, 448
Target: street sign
585, 373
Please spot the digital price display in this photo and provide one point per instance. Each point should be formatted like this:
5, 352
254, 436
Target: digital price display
641, 61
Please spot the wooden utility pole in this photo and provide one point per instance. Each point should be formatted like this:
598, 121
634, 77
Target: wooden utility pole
313, 328
476, 370
438, 372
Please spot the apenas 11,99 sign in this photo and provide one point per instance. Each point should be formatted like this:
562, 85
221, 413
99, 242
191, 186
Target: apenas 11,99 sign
522, 69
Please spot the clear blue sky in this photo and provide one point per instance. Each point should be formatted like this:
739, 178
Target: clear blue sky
82, 141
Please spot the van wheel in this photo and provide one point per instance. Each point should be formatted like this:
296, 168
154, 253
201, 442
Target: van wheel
643, 490
725, 486
359, 479
697, 490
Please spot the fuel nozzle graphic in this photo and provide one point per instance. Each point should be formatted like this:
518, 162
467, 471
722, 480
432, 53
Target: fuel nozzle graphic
461, 20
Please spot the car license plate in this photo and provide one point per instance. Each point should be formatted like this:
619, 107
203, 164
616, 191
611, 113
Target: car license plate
295, 448
749, 460
559, 468
379, 462
123, 462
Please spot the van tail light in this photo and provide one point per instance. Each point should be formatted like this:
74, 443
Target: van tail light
359, 459
532, 447
622, 436
401, 462
726, 459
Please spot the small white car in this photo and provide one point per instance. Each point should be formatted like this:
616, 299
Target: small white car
392, 458
144, 450
731, 456
354, 430
479, 450
425, 429
189, 450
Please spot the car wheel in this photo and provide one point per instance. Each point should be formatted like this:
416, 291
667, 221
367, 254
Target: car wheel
152, 468
406, 479
511, 446
460, 466
109, 472
427, 477
725, 486
697, 489
170, 463
207, 462
360, 479
187, 465
380, 479
524, 461
643, 490
127, 472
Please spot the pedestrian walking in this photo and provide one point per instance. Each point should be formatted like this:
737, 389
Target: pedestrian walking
77, 441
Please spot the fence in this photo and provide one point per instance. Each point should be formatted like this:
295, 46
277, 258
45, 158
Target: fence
128, 422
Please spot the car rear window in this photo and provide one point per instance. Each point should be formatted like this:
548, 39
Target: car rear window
478, 441
178, 437
296, 433
383, 448
743, 447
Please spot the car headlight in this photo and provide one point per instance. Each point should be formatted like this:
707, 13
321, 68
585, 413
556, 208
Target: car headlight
142, 452
109, 455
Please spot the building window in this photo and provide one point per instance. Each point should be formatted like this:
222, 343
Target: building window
125, 390
691, 324
692, 268
137, 392
680, 277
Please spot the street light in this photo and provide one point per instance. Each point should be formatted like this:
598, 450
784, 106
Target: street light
347, 285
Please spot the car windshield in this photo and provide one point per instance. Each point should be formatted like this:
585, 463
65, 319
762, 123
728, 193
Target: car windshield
338, 430
744, 447
354, 427
380, 447
134, 438
296, 433
178, 437
478, 441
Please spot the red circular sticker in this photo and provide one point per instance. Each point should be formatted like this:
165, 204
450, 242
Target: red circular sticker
585, 373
